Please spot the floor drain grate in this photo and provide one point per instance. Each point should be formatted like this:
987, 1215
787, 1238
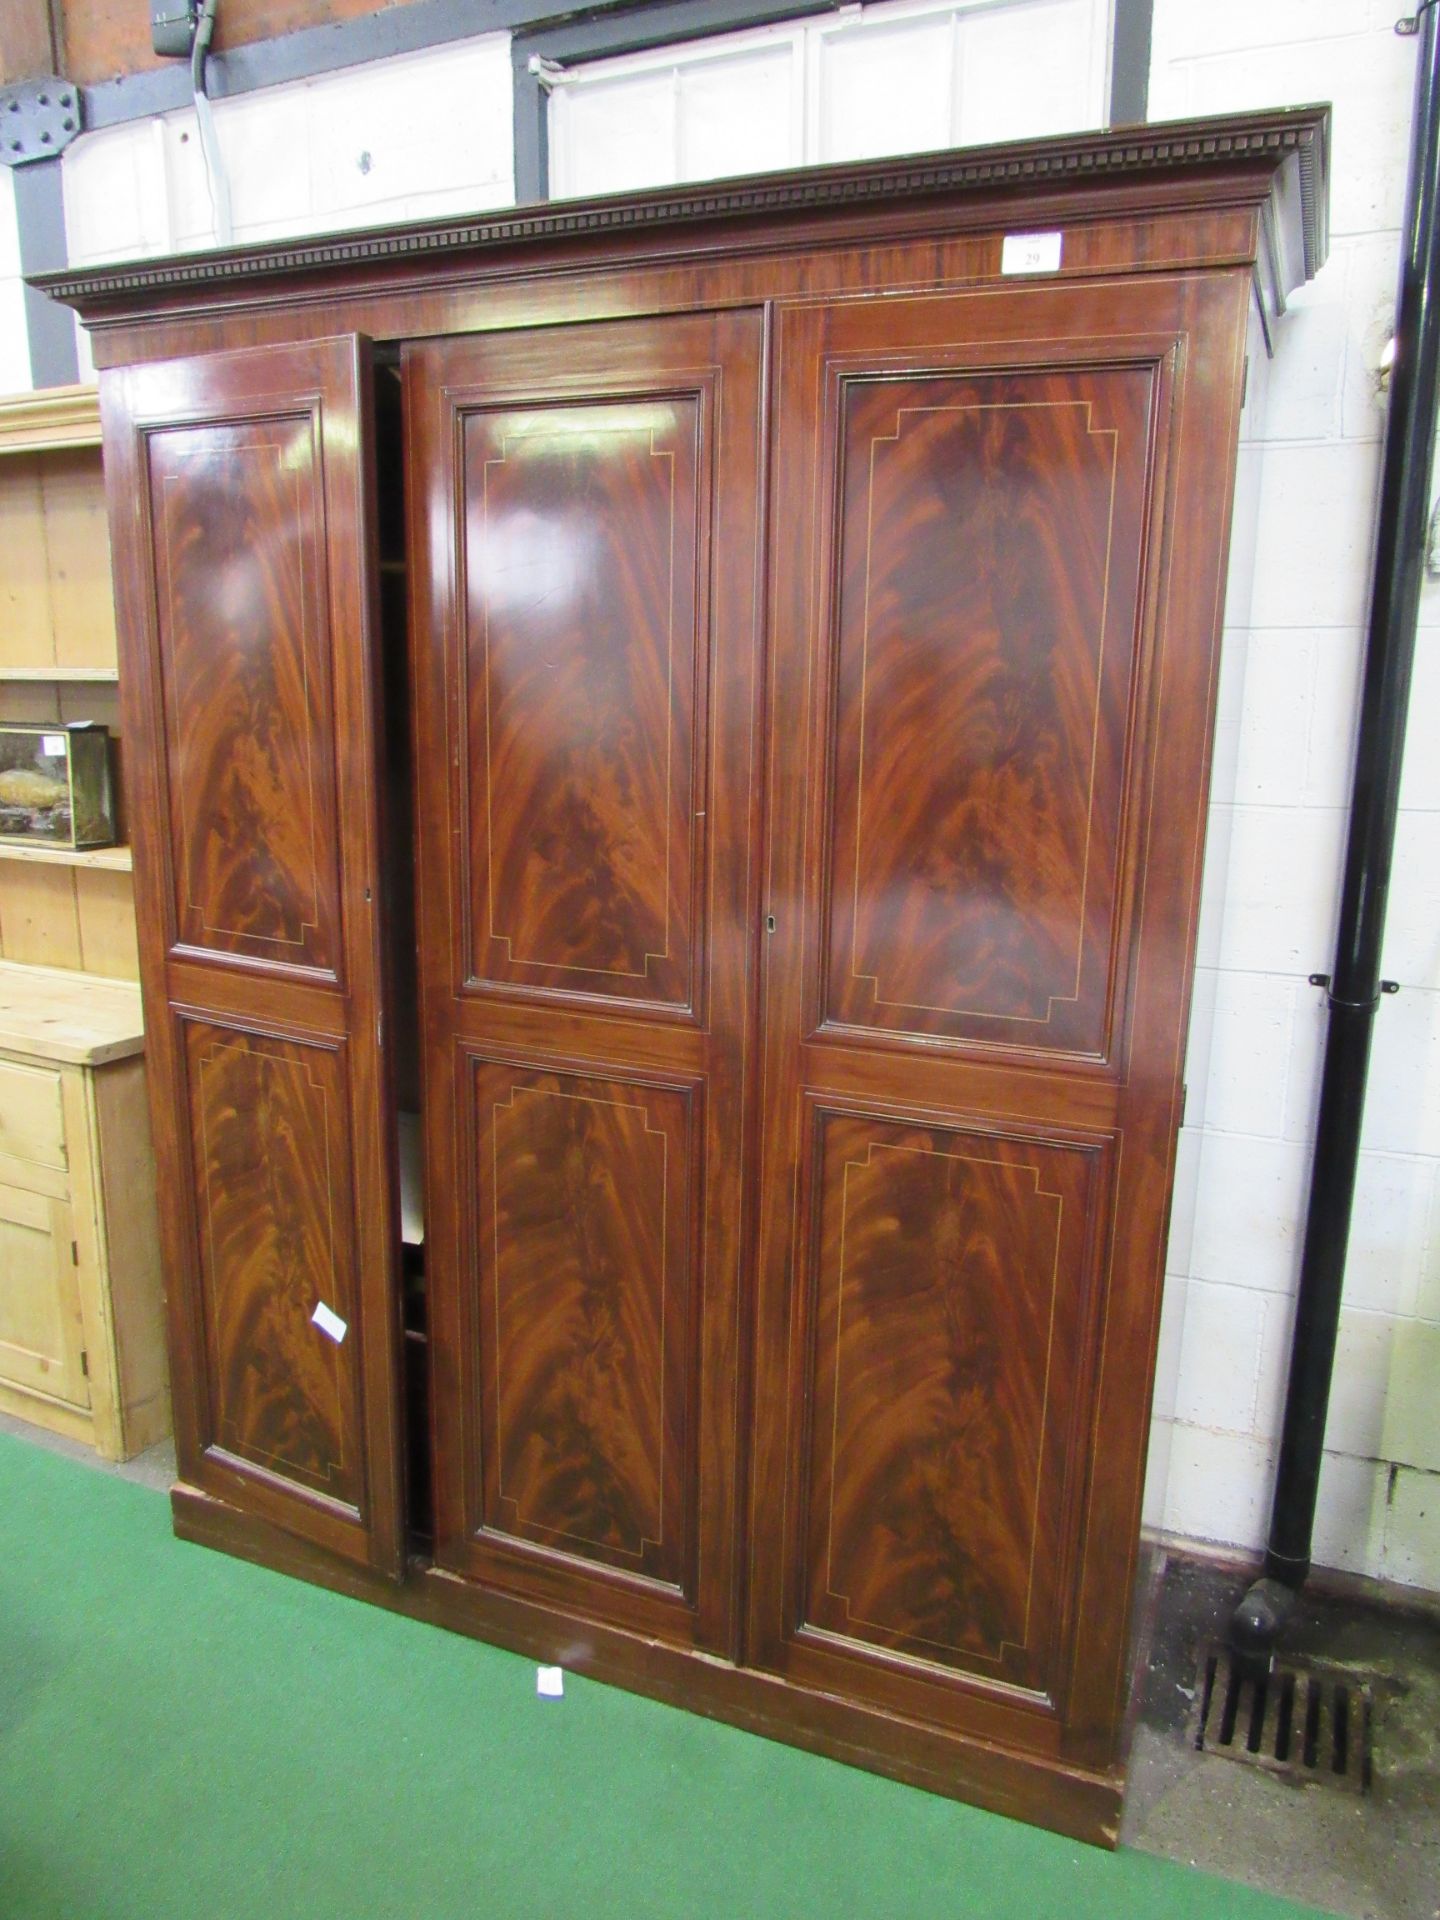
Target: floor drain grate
1303, 1721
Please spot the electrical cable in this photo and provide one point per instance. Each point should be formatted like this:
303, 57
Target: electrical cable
215, 176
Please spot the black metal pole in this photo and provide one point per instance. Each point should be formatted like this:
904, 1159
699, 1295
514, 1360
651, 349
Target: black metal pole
1355, 985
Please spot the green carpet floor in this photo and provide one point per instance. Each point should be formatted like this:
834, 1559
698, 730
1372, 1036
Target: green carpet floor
183, 1735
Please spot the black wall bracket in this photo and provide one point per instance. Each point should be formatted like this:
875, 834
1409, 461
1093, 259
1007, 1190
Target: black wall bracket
1362, 1006
38, 119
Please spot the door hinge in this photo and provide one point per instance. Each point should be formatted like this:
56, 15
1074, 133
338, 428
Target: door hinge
74, 1253
1244, 383
1184, 1103
85, 1365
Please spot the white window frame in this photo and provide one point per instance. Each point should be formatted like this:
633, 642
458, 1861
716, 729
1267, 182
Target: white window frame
807, 39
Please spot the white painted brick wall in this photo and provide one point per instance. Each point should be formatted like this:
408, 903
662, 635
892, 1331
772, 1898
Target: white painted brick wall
1289, 686
14, 344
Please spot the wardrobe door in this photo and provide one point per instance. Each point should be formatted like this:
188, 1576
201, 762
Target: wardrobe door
243, 539
998, 569
585, 534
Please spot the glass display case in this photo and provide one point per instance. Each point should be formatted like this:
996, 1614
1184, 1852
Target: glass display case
56, 784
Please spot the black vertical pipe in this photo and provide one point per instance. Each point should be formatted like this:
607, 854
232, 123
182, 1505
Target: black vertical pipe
1354, 986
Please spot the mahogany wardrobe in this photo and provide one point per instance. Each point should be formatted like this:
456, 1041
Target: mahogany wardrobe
666, 743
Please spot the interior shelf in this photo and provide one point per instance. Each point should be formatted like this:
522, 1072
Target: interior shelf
46, 675
113, 859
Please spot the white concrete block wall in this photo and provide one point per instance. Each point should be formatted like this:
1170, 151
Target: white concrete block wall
1289, 687
426, 133
14, 343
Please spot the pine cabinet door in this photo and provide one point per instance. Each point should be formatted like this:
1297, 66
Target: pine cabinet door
42, 1338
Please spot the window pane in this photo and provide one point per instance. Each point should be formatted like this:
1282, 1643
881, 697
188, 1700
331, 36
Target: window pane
884, 88
736, 114
1029, 70
610, 134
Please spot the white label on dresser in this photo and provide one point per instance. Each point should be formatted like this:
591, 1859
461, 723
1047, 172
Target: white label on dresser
330, 1323
1030, 253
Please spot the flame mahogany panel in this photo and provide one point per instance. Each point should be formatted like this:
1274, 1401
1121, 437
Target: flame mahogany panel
586, 568
239, 526
950, 1286
989, 539
584, 1203
276, 1229
243, 529
992, 638
586, 537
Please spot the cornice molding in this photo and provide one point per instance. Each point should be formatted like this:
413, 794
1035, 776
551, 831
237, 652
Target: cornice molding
1298, 136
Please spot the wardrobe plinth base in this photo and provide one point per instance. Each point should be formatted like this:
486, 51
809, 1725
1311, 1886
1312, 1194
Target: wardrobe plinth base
1082, 1805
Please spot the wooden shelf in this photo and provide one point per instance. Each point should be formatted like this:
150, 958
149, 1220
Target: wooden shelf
58, 663
45, 676
54, 417
112, 859
51, 1014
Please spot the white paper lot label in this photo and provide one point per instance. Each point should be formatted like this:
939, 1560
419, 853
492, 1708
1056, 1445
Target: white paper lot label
550, 1683
1030, 253
53, 743
330, 1323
